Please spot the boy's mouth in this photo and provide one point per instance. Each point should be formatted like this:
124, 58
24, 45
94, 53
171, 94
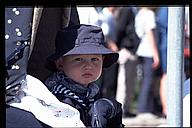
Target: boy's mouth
87, 75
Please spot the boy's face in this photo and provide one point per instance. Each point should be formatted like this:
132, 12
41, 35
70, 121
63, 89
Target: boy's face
83, 69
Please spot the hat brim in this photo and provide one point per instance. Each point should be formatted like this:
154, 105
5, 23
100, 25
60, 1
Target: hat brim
110, 57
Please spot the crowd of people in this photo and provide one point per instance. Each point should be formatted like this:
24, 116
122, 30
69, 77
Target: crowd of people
112, 56
139, 35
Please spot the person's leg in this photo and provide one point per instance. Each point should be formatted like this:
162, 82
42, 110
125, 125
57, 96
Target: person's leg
162, 93
145, 102
109, 81
162, 89
120, 94
130, 70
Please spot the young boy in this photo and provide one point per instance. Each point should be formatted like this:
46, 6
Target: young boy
77, 63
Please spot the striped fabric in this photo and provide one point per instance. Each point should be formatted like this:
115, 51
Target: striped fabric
62, 90
63, 87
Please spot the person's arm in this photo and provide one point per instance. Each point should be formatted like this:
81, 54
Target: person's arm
149, 31
112, 45
152, 41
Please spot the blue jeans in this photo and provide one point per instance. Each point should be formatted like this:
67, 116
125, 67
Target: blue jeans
146, 98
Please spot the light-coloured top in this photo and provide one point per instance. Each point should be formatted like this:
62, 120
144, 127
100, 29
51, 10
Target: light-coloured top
144, 21
88, 15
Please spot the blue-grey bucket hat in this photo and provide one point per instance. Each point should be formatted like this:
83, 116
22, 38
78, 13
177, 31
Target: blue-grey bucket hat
81, 39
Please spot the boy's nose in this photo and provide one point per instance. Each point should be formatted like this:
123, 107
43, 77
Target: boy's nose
88, 64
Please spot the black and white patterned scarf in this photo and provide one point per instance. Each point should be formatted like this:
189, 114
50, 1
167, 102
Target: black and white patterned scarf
62, 86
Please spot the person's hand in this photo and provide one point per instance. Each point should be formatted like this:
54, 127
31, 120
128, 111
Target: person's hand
112, 45
156, 62
124, 55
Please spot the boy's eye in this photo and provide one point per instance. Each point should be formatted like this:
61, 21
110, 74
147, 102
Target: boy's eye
94, 59
82, 60
78, 59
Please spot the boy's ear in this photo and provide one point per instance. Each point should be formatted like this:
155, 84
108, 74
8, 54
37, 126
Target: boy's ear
58, 64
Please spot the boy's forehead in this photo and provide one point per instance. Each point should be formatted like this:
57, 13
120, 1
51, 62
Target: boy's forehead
84, 55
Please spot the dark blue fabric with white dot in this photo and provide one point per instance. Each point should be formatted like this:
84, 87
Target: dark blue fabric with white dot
18, 23
18, 26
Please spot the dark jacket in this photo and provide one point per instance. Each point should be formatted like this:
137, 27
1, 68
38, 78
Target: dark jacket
94, 110
19, 118
99, 107
126, 35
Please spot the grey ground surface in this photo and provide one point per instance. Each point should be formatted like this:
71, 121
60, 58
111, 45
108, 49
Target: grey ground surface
145, 120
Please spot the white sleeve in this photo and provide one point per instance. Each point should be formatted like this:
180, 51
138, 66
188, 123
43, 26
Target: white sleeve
83, 13
150, 20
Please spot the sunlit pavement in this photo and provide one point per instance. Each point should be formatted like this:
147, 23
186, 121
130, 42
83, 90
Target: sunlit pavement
145, 120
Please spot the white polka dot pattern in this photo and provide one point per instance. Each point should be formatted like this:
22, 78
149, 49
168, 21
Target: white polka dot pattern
19, 33
9, 21
17, 12
14, 9
15, 67
6, 36
17, 29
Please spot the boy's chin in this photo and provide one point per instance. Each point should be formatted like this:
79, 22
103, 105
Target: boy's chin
85, 84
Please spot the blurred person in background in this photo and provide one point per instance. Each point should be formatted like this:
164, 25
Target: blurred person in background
147, 51
127, 42
109, 76
89, 15
186, 103
187, 44
186, 87
162, 27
